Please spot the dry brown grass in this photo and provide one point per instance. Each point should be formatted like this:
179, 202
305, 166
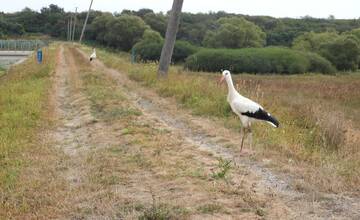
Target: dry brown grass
317, 112
131, 165
142, 169
319, 116
327, 107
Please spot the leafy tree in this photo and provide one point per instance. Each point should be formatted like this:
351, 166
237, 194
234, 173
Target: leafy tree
127, 12
143, 11
98, 28
126, 30
235, 32
279, 33
157, 22
151, 37
194, 28
10, 28
54, 21
355, 32
90, 31
344, 52
313, 42
30, 20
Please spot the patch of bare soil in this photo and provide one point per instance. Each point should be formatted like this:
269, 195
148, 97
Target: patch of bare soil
273, 193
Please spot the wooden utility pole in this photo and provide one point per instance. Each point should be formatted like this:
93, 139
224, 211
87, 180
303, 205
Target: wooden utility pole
68, 29
73, 34
70, 26
170, 38
85, 23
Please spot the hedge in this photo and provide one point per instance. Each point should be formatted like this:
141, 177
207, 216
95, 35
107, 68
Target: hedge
258, 60
146, 51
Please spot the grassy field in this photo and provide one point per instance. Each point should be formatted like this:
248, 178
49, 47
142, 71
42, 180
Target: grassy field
127, 164
320, 117
83, 141
2, 71
22, 103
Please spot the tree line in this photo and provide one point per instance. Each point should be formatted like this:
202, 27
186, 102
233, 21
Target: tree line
336, 40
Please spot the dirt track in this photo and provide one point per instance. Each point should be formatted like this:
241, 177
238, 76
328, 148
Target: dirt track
177, 143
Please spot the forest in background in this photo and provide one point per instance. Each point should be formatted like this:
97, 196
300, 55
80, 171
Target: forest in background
321, 45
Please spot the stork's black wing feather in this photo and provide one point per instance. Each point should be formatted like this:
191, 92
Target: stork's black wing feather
261, 114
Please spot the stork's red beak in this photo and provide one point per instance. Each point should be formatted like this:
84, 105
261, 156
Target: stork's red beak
221, 79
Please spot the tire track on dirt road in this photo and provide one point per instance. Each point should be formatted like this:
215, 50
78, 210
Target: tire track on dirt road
209, 136
75, 122
73, 128
79, 135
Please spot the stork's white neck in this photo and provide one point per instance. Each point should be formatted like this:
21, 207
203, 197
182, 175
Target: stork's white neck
231, 89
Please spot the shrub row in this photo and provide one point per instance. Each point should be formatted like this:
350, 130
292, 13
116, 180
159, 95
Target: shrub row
149, 51
258, 60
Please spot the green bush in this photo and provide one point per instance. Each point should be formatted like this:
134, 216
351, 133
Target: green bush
182, 50
258, 60
148, 51
151, 51
319, 64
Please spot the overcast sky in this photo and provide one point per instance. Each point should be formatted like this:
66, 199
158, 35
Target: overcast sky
275, 8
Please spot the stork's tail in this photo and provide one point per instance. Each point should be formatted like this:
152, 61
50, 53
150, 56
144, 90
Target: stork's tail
261, 114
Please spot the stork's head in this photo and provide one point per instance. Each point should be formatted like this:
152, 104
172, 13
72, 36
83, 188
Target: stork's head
225, 75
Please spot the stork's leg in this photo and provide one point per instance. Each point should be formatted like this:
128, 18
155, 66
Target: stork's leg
251, 137
243, 138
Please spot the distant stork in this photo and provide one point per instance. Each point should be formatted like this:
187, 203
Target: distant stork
93, 55
247, 110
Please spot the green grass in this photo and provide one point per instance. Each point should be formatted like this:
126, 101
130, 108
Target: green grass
210, 208
2, 71
23, 93
105, 99
222, 170
314, 111
162, 211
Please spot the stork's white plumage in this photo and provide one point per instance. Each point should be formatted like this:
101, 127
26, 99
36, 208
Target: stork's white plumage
93, 55
247, 110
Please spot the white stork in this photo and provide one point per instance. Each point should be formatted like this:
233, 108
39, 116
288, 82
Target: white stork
93, 55
247, 110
